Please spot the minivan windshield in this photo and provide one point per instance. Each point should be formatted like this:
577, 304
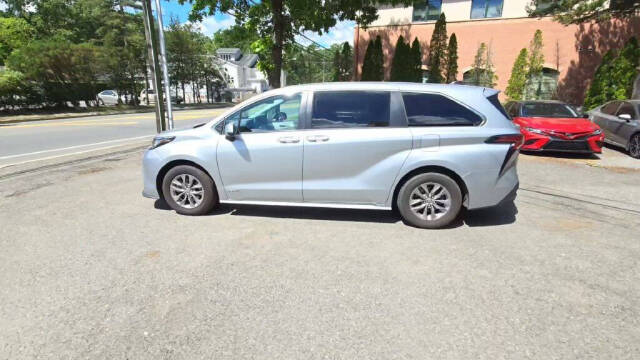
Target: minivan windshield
551, 110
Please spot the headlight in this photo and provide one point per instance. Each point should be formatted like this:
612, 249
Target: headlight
597, 132
535, 131
161, 140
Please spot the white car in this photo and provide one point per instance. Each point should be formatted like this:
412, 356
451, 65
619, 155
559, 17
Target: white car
108, 97
175, 99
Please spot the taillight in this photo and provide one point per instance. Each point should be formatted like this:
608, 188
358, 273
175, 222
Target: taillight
516, 140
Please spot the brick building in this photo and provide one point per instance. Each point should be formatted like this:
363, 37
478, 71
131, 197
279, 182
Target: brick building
571, 53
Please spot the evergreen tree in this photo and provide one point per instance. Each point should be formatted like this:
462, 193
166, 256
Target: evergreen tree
518, 79
482, 73
342, 62
536, 64
368, 64
399, 64
438, 51
378, 57
452, 59
416, 61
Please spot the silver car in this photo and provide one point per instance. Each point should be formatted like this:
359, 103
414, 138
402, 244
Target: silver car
425, 150
620, 121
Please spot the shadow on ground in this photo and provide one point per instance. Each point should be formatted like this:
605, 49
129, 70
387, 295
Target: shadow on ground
561, 155
502, 214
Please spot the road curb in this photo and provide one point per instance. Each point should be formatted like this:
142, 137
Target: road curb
6, 121
13, 171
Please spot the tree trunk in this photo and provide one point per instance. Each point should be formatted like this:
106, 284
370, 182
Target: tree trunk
636, 87
276, 52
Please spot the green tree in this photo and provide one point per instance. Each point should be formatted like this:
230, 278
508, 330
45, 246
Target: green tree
416, 61
614, 78
624, 69
342, 62
535, 66
580, 11
236, 36
14, 33
279, 21
372, 66
65, 71
518, 79
452, 59
600, 88
482, 72
438, 51
401, 63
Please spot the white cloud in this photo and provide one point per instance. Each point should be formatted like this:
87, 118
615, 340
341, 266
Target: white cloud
343, 31
3, 6
210, 25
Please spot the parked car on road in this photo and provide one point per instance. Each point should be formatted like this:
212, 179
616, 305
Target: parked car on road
554, 126
108, 97
620, 121
426, 150
175, 99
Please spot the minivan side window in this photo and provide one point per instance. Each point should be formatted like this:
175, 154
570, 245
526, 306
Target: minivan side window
346, 109
277, 113
437, 110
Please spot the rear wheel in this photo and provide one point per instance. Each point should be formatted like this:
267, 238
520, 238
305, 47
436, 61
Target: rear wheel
189, 190
430, 200
634, 146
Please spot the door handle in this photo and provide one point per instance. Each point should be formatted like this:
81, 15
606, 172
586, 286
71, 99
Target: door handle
318, 138
289, 139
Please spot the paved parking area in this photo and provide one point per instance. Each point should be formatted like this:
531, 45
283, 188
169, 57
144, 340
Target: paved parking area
90, 269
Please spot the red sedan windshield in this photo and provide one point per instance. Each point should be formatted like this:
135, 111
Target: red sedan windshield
551, 110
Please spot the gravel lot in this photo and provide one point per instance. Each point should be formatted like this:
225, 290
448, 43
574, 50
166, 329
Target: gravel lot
91, 270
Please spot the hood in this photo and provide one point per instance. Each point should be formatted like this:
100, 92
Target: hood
571, 125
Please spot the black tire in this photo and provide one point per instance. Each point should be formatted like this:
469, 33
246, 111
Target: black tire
634, 146
453, 194
209, 194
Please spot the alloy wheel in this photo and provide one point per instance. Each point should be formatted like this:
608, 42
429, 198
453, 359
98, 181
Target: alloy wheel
634, 146
430, 201
186, 190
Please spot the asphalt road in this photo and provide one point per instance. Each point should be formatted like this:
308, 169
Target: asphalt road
43, 139
91, 270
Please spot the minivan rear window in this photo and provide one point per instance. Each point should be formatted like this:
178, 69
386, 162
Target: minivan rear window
340, 109
493, 99
437, 110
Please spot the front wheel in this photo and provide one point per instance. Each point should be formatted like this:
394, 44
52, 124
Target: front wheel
634, 146
429, 200
189, 190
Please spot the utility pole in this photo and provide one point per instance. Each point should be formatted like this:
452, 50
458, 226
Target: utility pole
152, 49
163, 60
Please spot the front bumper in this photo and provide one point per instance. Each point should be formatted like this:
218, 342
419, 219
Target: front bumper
151, 165
539, 142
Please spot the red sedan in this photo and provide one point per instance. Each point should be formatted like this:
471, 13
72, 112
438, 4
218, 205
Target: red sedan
554, 126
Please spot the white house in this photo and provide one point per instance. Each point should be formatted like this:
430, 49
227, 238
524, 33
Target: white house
242, 71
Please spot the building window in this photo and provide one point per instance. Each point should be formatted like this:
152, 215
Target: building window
486, 9
426, 10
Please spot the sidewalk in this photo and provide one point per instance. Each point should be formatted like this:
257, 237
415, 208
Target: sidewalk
105, 110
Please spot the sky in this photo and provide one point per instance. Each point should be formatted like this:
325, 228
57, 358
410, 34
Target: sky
343, 31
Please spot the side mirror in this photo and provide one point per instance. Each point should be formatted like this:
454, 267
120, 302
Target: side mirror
230, 131
625, 117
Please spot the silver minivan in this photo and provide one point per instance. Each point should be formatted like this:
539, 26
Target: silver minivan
425, 150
